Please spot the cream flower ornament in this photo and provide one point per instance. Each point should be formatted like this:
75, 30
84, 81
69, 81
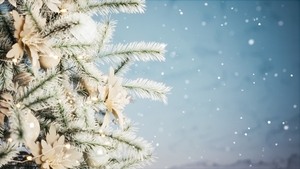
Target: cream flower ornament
29, 38
115, 98
17, 49
52, 153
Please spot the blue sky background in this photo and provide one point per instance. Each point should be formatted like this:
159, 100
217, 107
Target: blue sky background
234, 69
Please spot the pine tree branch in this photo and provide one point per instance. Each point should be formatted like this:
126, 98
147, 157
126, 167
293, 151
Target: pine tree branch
86, 139
87, 122
123, 67
6, 28
114, 6
72, 48
4, 47
18, 68
128, 141
17, 127
83, 68
7, 152
145, 88
39, 100
2, 51
39, 85
108, 27
88, 118
33, 18
59, 27
45, 115
86, 144
136, 154
63, 117
137, 163
140, 51
6, 76
1, 130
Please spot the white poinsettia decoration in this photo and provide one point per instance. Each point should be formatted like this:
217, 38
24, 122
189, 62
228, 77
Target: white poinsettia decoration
17, 49
53, 153
28, 37
115, 97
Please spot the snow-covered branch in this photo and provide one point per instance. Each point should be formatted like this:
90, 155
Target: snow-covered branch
123, 67
45, 81
106, 30
145, 88
136, 51
113, 6
7, 152
6, 75
6, 31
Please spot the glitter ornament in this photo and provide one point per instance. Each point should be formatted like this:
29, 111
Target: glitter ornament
33, 126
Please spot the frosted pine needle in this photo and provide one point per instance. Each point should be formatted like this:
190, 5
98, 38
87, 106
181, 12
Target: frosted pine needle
145, 88
136, 51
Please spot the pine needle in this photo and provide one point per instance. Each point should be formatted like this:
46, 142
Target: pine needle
136, 51
145, 88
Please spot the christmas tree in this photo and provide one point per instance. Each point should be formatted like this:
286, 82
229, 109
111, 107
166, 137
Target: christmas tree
56, 106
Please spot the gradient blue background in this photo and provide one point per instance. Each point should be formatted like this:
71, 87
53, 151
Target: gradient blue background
233, 103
